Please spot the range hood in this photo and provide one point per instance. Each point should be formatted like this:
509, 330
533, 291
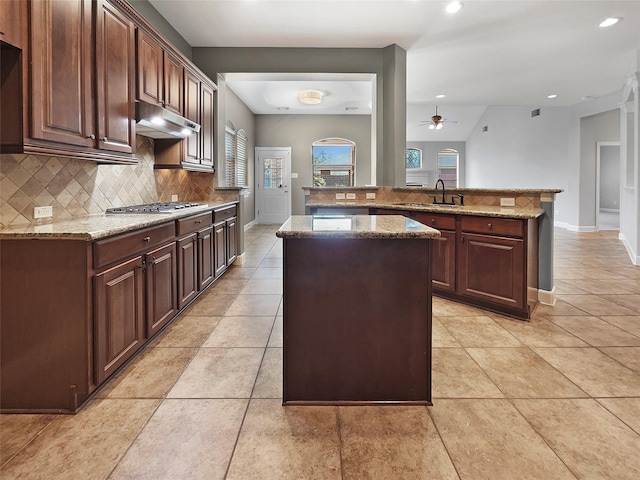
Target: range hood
157, 122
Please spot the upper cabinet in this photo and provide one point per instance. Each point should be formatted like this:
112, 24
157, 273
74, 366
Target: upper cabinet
160, 75
12, 13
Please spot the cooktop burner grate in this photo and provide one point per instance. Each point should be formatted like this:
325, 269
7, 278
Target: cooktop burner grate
159, 207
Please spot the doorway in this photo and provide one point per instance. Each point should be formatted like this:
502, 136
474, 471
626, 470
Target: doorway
273, 177
608, 185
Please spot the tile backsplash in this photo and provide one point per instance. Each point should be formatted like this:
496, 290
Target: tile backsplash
80, 187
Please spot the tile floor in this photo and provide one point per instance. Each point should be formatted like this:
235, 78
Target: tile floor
554, 398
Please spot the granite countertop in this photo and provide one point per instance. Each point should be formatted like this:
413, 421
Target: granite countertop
421, 189
476, 210
93, 227
354, 226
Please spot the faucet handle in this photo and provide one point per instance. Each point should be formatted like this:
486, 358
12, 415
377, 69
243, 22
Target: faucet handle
461, 199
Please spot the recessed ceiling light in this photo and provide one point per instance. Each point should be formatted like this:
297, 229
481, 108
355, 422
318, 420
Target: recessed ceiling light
610, 21
311, 97
553, 95
453, 7
282, 109
442, 95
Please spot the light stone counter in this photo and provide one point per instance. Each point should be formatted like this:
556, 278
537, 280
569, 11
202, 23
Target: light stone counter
93, 227
354, 226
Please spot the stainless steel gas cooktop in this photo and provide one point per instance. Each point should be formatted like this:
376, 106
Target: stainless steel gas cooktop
159, 207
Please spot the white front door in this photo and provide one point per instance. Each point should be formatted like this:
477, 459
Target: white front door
273, 177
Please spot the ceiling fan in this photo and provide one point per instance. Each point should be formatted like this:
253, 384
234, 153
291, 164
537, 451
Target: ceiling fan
437, 122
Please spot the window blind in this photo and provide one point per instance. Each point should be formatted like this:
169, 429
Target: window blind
242, 159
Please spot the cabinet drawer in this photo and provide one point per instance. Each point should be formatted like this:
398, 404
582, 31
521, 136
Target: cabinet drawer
493, 226
435, 220
111, 249
224, 213
193, 223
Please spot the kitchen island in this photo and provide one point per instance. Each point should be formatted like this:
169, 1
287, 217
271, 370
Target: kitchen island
357, 310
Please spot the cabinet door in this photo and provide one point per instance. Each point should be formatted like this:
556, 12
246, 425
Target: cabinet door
192, 112
443, 261
207, 125
115, 73
61, 98
220, 243
119, 311
206, 255
187, 269
12, 22
232, 248
493, 269
173, 83
150, 74
162, 289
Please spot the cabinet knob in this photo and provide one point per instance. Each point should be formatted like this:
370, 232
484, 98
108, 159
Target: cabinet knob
198, 222
92, 136
147, 239
433, 221
489, 226
103, 139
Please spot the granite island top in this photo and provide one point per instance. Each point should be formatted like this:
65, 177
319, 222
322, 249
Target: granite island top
477, 210
355, 226
93, 227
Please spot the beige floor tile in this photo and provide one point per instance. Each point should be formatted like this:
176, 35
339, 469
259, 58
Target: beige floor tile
442, 307
539, 332
213, 304
520, 373
296, 443
388, 442
595, 286
567, 287
229, 286
456, 375
275, 339
593, 371
87, 445
626, 409
150, 375
631, 302
239, 272
16, 431
186, 331
607, 448
440, 336
627, 356
596, 305
596, 332
241, 332
269, 381
630, 324
251, 262
185, 439
560, 308
219, 373
268, 272
479, 331
254, 305
271, 262
489, 439
262, 286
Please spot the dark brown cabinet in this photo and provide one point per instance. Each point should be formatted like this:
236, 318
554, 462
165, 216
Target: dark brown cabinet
81, 104
225, 238
195, 256
159, 76
443, 261
12, 14
162, 285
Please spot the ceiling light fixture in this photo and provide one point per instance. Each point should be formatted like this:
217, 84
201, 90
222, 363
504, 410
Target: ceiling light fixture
311, 97
553, 95
453, 7
442, 95
610, 21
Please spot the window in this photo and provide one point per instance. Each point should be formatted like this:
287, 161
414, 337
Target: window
235, 156
334, 162
413, 158
448, 167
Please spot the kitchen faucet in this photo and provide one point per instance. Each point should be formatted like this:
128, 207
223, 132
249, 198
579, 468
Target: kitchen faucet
443, 192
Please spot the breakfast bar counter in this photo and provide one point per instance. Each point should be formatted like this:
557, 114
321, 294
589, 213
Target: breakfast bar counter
357, 310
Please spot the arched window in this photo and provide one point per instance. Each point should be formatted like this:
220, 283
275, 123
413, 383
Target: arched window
448, 167
236, 156
334, 161
413, 158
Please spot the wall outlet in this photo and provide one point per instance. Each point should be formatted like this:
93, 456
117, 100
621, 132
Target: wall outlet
174, 198
351, 196
507, 202
43, 212
339, 196
371, 195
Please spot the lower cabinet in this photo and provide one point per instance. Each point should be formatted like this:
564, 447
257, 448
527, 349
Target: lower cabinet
162, 285
195, 259
225, 238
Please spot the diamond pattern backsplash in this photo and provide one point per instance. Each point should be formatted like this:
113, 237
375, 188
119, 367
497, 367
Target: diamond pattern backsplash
79, 187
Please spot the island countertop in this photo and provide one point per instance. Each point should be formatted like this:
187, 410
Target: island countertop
354, 226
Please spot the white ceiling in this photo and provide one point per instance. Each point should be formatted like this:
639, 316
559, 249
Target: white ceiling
492, 52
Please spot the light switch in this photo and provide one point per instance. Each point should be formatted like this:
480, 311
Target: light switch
339, 196
351, 196
371, 195
507, 202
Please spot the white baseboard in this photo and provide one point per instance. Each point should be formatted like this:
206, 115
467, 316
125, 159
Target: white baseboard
635, 259
576, 228
547, 297
239, 259
610, 210
250, 224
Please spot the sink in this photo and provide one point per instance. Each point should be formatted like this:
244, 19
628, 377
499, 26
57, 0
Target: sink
412, 204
